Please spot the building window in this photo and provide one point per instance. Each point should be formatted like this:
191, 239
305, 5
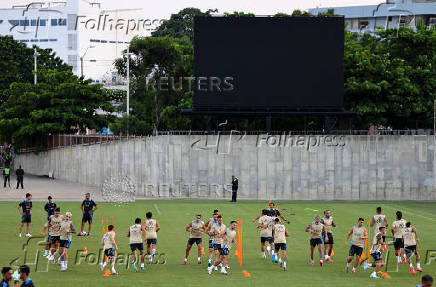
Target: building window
43, 22
54, 22
363, 24
24, 41
72, 61
53, 40
34, 40
62, 22
1, 21
72, 42
72, 19
14, 22
43, 40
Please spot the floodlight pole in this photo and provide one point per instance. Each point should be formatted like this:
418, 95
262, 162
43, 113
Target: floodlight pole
35, 69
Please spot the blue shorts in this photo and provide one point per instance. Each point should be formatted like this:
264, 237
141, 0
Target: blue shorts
278, 246
152, 241
376, 256
330, 236
87, 217
268, 239
355, 250
217, 247
65, 243
192, 241
211, 244
134, 246
109, 252
26, 218
315, 241
224, 251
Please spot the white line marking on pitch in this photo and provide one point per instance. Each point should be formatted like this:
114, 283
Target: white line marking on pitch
414, 214
157, 209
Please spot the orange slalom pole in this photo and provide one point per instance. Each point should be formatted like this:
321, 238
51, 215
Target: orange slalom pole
107, 224
369, 242
241, 245
102, 225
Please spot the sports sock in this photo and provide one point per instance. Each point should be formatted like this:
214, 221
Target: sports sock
354, 269
198, 259
411, 265
398, 259
153, 252
263, 254
66, 264
374, 273
186, 259
104, 264
142, 265
348, 264
418, 265
223, 269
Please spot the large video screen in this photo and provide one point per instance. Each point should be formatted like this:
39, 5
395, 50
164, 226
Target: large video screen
263, 63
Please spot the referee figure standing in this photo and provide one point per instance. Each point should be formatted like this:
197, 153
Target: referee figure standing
234, 188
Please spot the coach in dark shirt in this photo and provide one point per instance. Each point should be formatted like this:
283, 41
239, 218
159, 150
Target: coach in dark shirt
50, 207
20, 177
234, 188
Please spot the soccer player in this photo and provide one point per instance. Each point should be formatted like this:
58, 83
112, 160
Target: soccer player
316, 229
208, 226
7, 276
109, 247
379, 220
273, 212
397, 229
328, 223
24, 272
151, 227
217, 232
410, 246
229, 239
88, 208
426, 281
196, 228
47, 244
376, 249
50, 207
54, 229
136, 234
67, 228
359, 234
280, 233
265, 227
26, 214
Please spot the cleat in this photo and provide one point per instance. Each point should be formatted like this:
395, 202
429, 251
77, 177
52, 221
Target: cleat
224, 272
365, 266
209, 263
228, 267
28, 235
384, 247
312, 263
412, 270
419, 269
215, 268
101, 266
353, 271
134, 267
198, 261
210, 269
184, 262
373, 275
142, 268
19, 235
114, 273
347, 269
320, 263
399, 262
328, 259
404, 262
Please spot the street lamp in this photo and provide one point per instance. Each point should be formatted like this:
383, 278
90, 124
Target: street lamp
81, 59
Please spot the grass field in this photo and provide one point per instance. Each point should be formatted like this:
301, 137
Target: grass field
173, 215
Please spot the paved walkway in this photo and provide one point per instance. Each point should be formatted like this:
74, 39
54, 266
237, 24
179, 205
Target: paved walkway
42, 187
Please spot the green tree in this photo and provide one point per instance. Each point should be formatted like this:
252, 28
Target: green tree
181, 24
60, 103
17, 63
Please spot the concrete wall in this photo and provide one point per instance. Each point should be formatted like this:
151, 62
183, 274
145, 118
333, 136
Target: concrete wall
275, 167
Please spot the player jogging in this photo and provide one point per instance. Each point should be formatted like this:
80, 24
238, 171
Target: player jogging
397, 229
88, 208
196, 230
136, 233
67, 228
54, 227
376, 252
26, 214
208, 226
151, 227
229, 239
316, 229
273, 211
217, 232
280, 233
379, 220
359, 234
328, 223
265, 227
109, 247
410, 246
50, 207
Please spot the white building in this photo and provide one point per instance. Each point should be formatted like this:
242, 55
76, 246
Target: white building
79, 31
389, 14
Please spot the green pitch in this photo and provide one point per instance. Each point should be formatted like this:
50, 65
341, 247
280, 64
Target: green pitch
173, 215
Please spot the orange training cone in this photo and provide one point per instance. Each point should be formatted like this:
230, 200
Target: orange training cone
246, 274
107, 272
